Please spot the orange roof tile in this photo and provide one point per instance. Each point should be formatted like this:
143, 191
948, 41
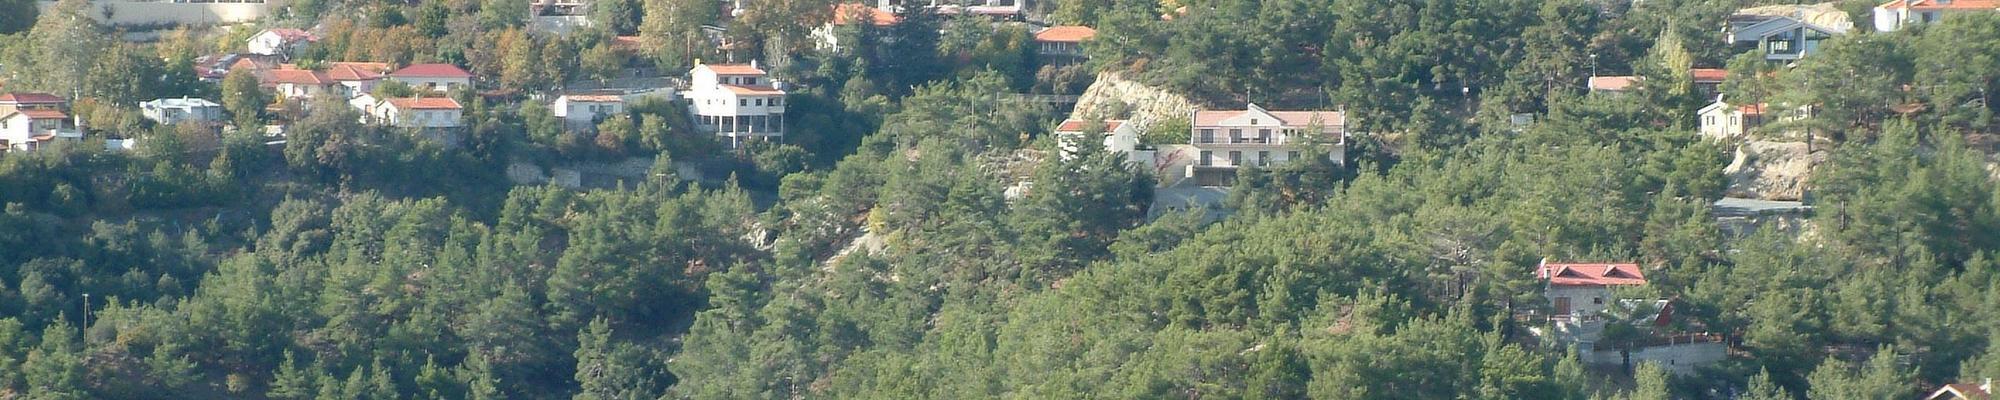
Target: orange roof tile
296, 77
734, 69
1289, 118
425, 103
627, 43
29, 98
843, 11
1574, 274
1613, 83
43, 114
1709, 75
431, 71
1077, 125
1065, 34
354, 71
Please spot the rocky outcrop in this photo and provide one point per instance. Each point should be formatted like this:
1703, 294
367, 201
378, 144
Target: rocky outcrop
1114, 97
1770, 170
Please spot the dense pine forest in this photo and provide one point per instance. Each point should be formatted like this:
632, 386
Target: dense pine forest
919, 233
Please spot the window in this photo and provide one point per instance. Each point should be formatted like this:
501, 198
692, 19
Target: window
1597, 300
760, 102
1263, 136
1735, 120
777, 101
1263, 158
742, 102
1207, 136
1235, 135
1235, 158
1207, 158
1291, 155
1253, 121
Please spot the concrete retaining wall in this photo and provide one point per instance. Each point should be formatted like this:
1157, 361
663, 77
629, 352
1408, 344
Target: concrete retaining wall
1679, 359
163, 13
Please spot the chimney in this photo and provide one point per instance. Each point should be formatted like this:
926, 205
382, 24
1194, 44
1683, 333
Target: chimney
753, 63
1986, 385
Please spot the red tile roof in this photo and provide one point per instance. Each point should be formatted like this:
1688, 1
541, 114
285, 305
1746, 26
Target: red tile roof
753, 90
1077, 125
1612, 83
875, 15
425, 103
297, 77
1709, 75
734, 69
1943, 4
1752, 109
1570, 274
292, 34
45, 115
431, 71
29, 98
354, 71
1065, 34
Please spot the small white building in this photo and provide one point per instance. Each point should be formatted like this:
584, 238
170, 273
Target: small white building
174, 111
1118, 136
279, 41
356, 78
411, 112
1228, 139
736, 102
1722, 120
582, 111
433, 77
30, 129
1896, 14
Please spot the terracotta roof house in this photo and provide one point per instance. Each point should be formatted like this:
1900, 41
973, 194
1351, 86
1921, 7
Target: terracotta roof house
28, 129
737, 102
1613, 83
10, 102
434, 77
410, 112
1896, 14
298, 84
1708, 75
1580, 290
1963, 391
1721, 120
827, 36
1225, 140
582, 111
1063, 41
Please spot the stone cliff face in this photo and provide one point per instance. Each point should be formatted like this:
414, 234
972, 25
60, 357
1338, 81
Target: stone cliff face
1114, 97
1770, 170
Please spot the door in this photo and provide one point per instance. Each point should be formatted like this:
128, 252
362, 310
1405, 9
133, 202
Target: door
1562, 306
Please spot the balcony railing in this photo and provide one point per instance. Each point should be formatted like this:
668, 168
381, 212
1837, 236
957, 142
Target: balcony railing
1244, 140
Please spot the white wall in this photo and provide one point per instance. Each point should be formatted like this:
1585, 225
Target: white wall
149, 13
1679, 359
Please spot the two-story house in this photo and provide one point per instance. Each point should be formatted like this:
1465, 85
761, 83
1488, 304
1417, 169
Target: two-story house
175, 111
583, 111
279, 41
736, 102
433, 77
356, 78
1580, 290
31, 120
1896, 14
1227, 139
1063, 43
1786, 36
426, 113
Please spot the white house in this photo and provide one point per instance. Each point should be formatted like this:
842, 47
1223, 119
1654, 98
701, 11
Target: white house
174, 111
433, 77
1722, 120
1118, 136
736, 102
298, 84
279, 41
411, 112
29, 129
1227, 139
1896, 14
356, 78
582, 111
